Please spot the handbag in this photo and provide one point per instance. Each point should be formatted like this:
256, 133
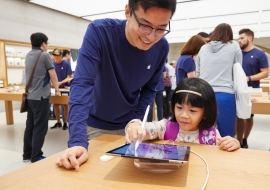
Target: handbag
24, 95
242, 94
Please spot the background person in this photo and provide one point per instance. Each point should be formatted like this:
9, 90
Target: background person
63, 71
186, 67
215, 65
38, 106
255, 65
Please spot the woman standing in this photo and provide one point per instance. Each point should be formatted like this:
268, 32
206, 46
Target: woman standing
185, 67
215, 65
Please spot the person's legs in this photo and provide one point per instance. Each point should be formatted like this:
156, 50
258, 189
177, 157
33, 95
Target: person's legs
57, 114
94, 132
167, 98
247, 130
28, 133
159, 103
240, 126
66, 110
62, 108
41, 110
226, 114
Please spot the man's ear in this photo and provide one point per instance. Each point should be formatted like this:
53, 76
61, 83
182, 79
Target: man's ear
127, 11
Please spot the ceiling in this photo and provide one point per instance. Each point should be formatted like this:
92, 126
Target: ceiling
191, 16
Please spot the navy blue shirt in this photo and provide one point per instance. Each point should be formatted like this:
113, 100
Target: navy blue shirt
253, 61
185, 64
62, 70
113, 82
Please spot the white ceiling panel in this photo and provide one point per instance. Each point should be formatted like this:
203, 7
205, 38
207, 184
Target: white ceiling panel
190, 17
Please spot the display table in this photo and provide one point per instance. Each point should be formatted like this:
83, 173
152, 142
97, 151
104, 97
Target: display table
242, 169
8, 95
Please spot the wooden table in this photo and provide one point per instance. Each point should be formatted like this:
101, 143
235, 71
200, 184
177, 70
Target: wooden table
262, 106
9, 95
242, 169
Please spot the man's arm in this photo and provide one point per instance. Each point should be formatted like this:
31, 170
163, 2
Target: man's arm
54, 81
261, 75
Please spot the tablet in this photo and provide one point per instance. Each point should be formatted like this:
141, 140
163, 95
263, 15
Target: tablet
153, 152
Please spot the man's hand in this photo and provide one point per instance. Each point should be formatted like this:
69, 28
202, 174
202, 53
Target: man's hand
135, 132
72, 158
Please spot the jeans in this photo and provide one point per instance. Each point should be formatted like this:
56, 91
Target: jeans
36, 128
159, 103
226, 113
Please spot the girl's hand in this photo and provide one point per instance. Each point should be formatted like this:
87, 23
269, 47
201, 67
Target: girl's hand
134, 132
228, 143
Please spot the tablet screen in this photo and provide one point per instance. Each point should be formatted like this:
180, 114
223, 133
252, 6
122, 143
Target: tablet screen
153, 151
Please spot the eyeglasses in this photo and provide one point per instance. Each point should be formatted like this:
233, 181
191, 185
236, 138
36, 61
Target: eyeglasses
145, 29
47, 43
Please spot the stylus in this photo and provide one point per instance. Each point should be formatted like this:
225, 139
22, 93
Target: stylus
143, 124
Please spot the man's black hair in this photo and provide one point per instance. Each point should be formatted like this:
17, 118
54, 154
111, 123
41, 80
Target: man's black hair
146, 4
65, 52
203, 34
38, 38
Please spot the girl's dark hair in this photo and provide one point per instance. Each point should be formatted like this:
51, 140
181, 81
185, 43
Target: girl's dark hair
38, 38
193, 45
206, 101
146, 4
223, 32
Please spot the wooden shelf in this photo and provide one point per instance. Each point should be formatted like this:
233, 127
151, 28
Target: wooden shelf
15, 67
22, 57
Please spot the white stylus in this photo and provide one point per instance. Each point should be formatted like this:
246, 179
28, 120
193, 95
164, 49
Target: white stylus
143, 124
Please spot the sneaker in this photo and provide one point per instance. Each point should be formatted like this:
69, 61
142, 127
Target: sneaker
58, 124
41, 157
244, 144
26, 159
65, 126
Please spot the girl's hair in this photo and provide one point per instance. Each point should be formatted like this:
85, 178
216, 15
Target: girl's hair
223, 32
193, 45
206, 101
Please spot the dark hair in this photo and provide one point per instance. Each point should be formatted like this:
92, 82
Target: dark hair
203, 34
206, 101
66, 52
247, 31
38, 38
146, 4
223, 32
193, 45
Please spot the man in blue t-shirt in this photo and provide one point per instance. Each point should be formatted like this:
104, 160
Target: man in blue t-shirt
255, 65
118, 68
63, 71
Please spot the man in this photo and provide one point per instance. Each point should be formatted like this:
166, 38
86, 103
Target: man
38, 106
255, 65
63, 71
66, 55
205, 36
118, 68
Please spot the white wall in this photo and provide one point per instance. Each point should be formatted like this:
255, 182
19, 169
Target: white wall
19, 19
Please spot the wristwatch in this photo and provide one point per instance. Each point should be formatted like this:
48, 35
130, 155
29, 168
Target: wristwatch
249, 78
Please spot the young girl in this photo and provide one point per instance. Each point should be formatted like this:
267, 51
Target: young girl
194, 114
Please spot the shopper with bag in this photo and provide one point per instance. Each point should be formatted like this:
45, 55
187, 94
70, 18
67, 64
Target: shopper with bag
215, 65
255, 65
39, 67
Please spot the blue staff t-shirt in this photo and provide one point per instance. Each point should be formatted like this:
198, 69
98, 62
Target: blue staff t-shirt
253, 61
62, 70
185, 65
